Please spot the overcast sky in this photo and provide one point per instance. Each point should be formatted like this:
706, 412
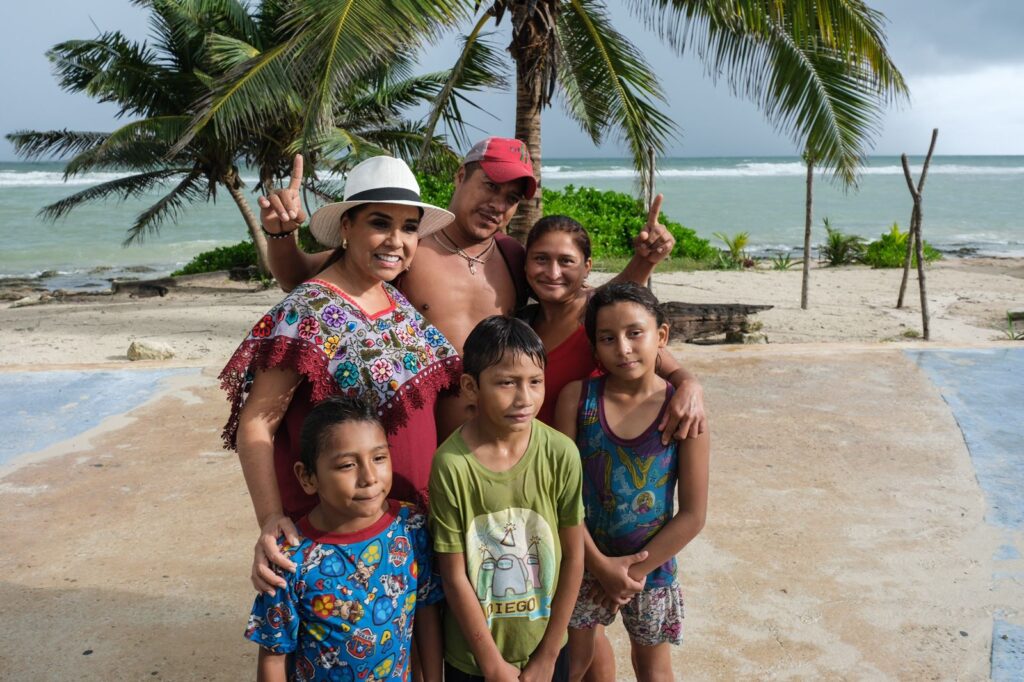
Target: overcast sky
964, 62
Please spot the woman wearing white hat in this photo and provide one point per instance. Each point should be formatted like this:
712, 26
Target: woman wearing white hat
347, 331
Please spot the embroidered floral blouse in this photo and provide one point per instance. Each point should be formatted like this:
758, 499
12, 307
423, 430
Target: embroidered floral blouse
393, 357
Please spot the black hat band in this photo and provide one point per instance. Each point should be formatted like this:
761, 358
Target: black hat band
385, 194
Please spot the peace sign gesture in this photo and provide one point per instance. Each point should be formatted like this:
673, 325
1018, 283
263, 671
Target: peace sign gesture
655, 242
281, 212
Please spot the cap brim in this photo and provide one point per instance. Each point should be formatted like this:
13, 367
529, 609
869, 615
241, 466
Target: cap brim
502, 171
326, 221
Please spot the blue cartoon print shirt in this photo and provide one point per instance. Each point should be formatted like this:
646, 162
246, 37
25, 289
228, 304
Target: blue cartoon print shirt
347, 612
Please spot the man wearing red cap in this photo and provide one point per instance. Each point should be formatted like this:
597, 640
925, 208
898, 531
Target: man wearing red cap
465, 272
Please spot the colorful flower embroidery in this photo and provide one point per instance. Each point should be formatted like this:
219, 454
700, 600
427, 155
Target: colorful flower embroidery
333, 316
331, 344
263, 327
434, 337
347, 375
308, 328
292, 317
381, 370
411, 362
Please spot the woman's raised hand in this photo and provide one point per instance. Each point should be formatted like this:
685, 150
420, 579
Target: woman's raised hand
267, 552
281, 211
654, 242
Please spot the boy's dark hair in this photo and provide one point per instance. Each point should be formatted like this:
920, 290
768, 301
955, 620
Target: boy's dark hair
628, 292
560, 223
330, 412
498, 336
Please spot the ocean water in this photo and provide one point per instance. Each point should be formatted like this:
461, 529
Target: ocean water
973, 205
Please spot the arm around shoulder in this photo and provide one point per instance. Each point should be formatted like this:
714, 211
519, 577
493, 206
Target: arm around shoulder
567, 407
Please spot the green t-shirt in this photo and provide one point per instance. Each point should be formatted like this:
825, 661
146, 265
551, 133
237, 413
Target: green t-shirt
506, 523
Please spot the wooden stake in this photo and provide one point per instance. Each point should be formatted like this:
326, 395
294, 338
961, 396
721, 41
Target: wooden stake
915, 218
915, 229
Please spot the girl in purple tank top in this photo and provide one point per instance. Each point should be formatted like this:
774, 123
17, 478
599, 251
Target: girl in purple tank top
630, 478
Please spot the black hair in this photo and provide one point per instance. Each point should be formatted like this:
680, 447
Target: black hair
323, 417
560, 223
620, 292
498, 336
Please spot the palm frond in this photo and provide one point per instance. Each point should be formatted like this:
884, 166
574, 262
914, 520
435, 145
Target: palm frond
122, 188
31, 144
168, 207
479, 65
818, 69
139, 146
340, 42
113, 69
607, 84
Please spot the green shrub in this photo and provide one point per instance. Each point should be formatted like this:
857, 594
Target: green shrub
613, 220
241, 255
840, 248
891, 248
784, 261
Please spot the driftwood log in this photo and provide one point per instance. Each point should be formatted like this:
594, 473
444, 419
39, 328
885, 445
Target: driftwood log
690, 321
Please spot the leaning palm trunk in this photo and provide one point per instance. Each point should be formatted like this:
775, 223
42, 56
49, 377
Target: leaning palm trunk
253, 223
532, 49
528, 110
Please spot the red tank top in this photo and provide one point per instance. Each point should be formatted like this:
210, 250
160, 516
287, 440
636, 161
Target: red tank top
571, 360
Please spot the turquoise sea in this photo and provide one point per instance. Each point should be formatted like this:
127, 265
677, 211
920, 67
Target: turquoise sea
973, 205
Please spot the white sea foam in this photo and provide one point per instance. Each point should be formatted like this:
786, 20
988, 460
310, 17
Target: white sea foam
12, 178
783, 169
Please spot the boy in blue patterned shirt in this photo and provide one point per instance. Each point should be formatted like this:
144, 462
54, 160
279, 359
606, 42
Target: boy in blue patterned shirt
363, 566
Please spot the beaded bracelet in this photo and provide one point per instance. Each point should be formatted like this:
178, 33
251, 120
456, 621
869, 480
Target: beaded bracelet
277, 235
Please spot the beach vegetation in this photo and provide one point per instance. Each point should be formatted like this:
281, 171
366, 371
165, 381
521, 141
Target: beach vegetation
1011, 331
840, 248
735, 244
240, 255
889, 250
784, 261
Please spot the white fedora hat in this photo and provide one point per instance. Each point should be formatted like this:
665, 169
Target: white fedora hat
377, 180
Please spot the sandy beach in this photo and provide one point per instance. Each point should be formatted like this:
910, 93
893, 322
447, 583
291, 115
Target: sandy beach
847, 537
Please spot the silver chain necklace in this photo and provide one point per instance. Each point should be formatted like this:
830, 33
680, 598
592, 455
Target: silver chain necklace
472, 261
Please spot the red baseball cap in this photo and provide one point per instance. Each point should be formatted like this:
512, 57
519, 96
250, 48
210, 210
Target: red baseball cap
504, 160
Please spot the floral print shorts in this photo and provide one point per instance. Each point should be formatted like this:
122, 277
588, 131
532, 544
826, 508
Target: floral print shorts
651, 617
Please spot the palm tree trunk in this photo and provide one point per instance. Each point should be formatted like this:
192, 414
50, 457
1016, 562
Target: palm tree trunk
528, 130
808, 217
253, 223
530, 49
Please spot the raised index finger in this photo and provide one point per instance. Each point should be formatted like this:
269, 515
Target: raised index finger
655, 210
296, 182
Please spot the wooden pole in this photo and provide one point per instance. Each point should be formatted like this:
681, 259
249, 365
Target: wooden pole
913, 235
808, 217
915, 227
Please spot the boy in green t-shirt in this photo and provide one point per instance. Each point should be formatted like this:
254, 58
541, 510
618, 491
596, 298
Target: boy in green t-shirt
506, 516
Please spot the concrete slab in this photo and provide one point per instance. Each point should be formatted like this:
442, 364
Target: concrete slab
846, 536
984, 391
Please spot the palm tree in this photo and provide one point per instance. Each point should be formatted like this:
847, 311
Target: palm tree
818, 69
195, 42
